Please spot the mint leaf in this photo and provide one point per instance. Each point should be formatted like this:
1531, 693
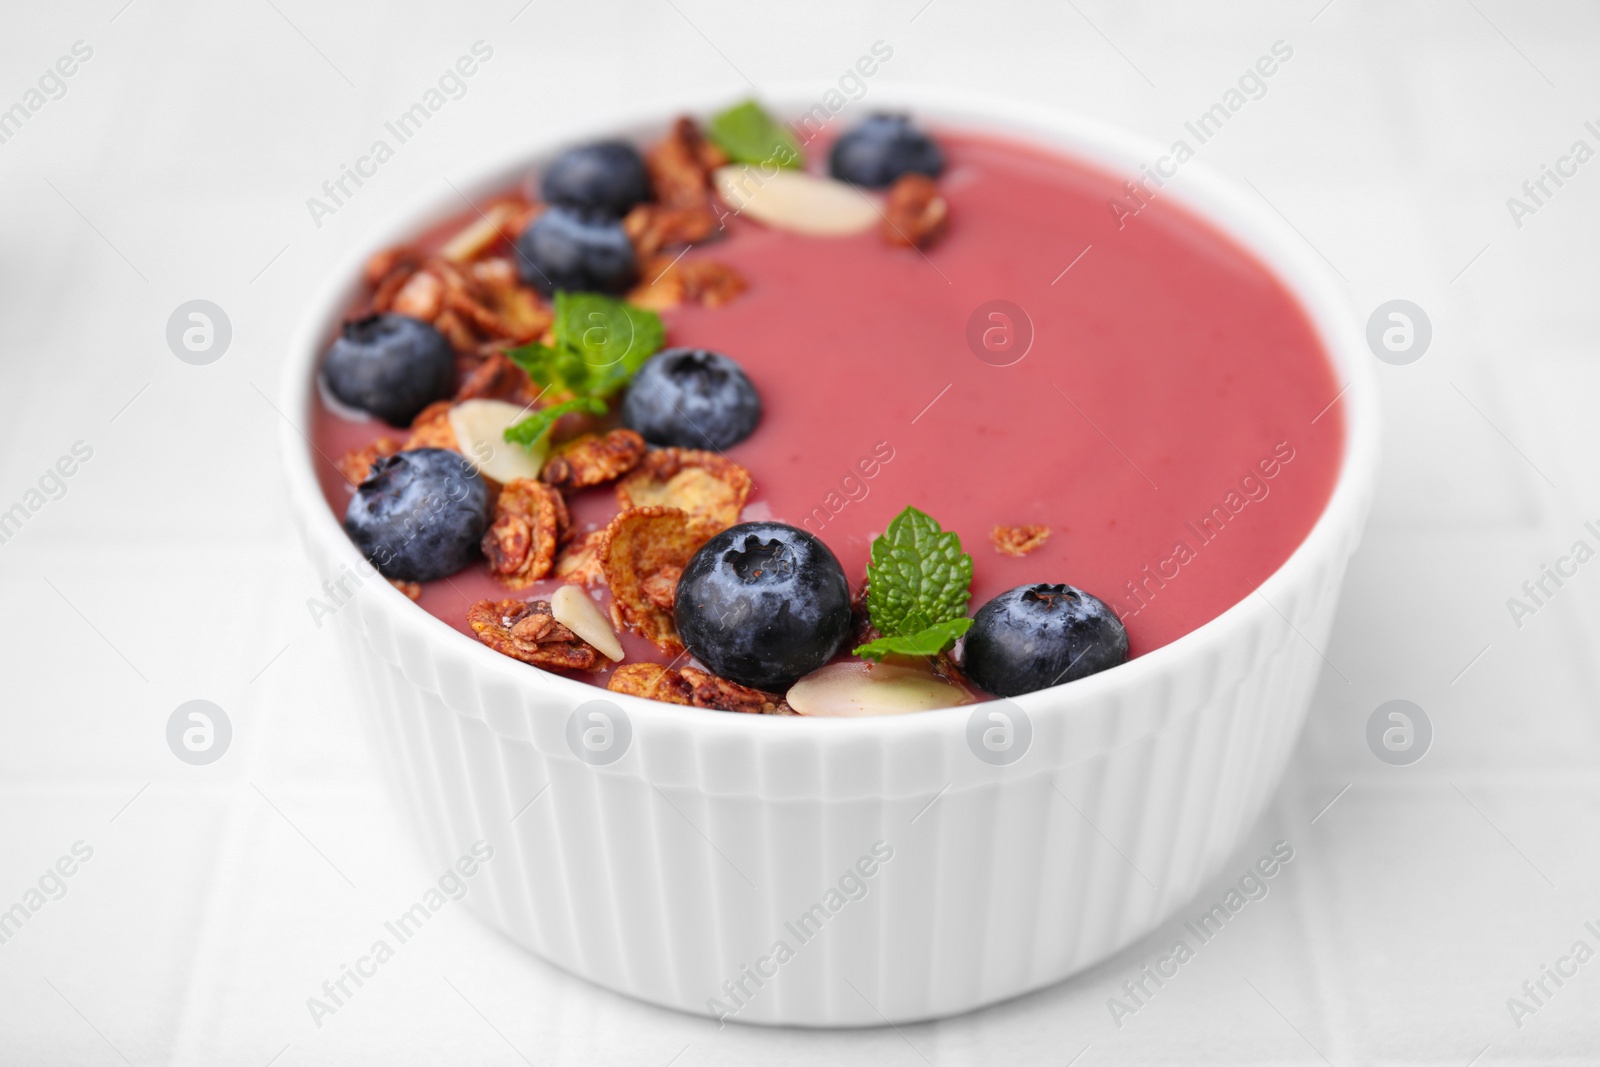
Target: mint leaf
749, 135
528, 431
610, 338
550, 367
600, 343
918, 578
929, 642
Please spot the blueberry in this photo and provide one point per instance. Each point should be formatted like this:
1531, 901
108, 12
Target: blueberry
420, 514
390, 365
608, 175
691, 398
763, 604
882, 148
577, 249
1035, 636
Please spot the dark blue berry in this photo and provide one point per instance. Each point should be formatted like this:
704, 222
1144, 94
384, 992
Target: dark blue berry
607, 175
390, 365
882, 148
763, 604
691, 398
1036, 636
577, 249
420, 515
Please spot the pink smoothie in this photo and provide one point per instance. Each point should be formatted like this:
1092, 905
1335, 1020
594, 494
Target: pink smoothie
1163, 421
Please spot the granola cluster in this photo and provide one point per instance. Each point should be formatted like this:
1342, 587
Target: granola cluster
915, 213
592, 459
530, 519
527, 630
670, 501
685, 212
694, 687
480, 305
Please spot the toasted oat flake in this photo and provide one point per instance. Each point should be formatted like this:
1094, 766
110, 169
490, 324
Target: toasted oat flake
711, 489
412, 590
520, 544
593, 459
1018, 540
526, 630
639, 545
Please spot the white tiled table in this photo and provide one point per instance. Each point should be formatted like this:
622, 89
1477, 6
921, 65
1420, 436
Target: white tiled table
218, 899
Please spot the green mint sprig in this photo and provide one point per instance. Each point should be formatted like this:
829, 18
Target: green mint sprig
918, 586
600, 343
528, 431
749, 135
929, 642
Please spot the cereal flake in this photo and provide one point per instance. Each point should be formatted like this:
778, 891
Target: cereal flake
709, 488
639, 547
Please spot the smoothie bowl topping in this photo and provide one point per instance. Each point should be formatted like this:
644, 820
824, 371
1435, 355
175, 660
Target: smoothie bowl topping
538, 450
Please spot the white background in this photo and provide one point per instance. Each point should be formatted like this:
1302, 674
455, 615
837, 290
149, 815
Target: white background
218, 899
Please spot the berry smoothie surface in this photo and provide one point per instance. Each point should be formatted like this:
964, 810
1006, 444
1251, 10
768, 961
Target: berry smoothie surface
1148, 390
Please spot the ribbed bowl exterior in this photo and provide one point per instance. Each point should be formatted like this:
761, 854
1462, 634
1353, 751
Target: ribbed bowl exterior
905, 877
674, 869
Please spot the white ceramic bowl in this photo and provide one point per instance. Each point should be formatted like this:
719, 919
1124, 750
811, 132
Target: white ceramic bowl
670, 874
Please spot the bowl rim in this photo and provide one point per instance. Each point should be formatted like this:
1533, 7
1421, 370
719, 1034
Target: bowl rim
1205, 192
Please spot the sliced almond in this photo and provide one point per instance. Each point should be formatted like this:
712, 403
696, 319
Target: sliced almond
859, 688
573, 609
480, 427
478, 234
797, 201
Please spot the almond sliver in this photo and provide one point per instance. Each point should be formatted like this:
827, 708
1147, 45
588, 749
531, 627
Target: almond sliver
478, 234
796, 201
573, 609
857, 688
480, 426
